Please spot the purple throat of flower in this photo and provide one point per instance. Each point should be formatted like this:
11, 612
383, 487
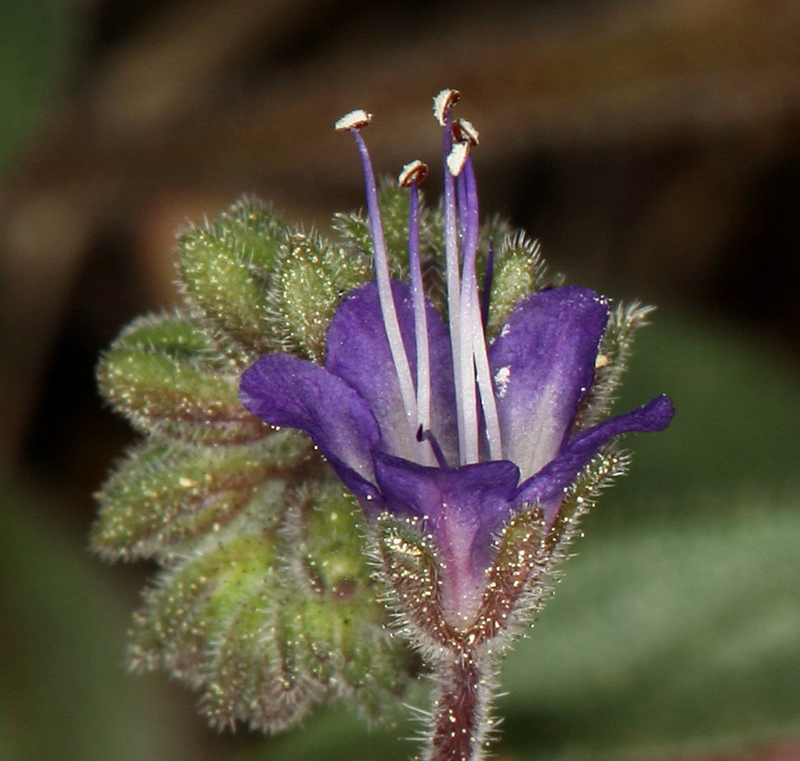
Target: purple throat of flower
423, 418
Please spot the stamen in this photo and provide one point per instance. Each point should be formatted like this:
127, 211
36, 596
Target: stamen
465, 137
464, 132
466, 365
442, 107
468, 218
468, 208
411, 175
457, 157
382, 277
473, 318
463, 221
486, 388
427, 435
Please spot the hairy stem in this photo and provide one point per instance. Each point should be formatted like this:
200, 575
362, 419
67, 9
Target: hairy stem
461, 711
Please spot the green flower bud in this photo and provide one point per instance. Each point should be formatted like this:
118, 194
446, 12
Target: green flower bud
313, 632
340, 618
254, 674
161, 373
194, 604
312, 278
518, 271
353, 227
227, 268
167, 494
324, 534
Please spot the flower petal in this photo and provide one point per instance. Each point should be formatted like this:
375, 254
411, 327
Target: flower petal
358, 352
285, 391
542, 364
548, 485
461, 508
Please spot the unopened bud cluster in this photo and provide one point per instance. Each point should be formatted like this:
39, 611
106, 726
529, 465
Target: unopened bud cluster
265, 601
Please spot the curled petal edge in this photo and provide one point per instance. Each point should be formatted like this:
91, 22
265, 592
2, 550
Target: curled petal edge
547, 486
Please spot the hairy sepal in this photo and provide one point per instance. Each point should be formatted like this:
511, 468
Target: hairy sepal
519, 270
353, 228
194, 603
612, 361
340, 616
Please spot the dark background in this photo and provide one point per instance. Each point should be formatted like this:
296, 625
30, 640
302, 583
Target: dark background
653, 146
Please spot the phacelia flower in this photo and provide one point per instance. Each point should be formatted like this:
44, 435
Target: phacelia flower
424, 419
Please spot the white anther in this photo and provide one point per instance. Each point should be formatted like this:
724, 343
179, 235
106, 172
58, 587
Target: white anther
465, 130
354, 120
441, 102
414, 172
457, 158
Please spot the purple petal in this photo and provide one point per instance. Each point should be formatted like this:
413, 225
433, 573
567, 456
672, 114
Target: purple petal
358, 352
542, 364
285, 391
461, 508
547, 486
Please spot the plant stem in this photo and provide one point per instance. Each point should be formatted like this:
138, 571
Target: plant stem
461, 712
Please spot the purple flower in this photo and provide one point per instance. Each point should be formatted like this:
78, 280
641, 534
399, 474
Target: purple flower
422, 418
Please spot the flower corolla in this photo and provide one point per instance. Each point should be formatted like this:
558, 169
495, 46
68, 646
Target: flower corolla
424, 418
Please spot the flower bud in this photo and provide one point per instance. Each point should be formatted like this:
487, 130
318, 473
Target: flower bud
160, 374
227, 267
194, 605
167, 494
310, 281
518, 271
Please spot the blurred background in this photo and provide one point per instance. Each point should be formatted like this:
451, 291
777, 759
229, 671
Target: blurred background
653, 146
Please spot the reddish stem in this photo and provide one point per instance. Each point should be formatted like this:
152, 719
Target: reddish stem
461, 710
